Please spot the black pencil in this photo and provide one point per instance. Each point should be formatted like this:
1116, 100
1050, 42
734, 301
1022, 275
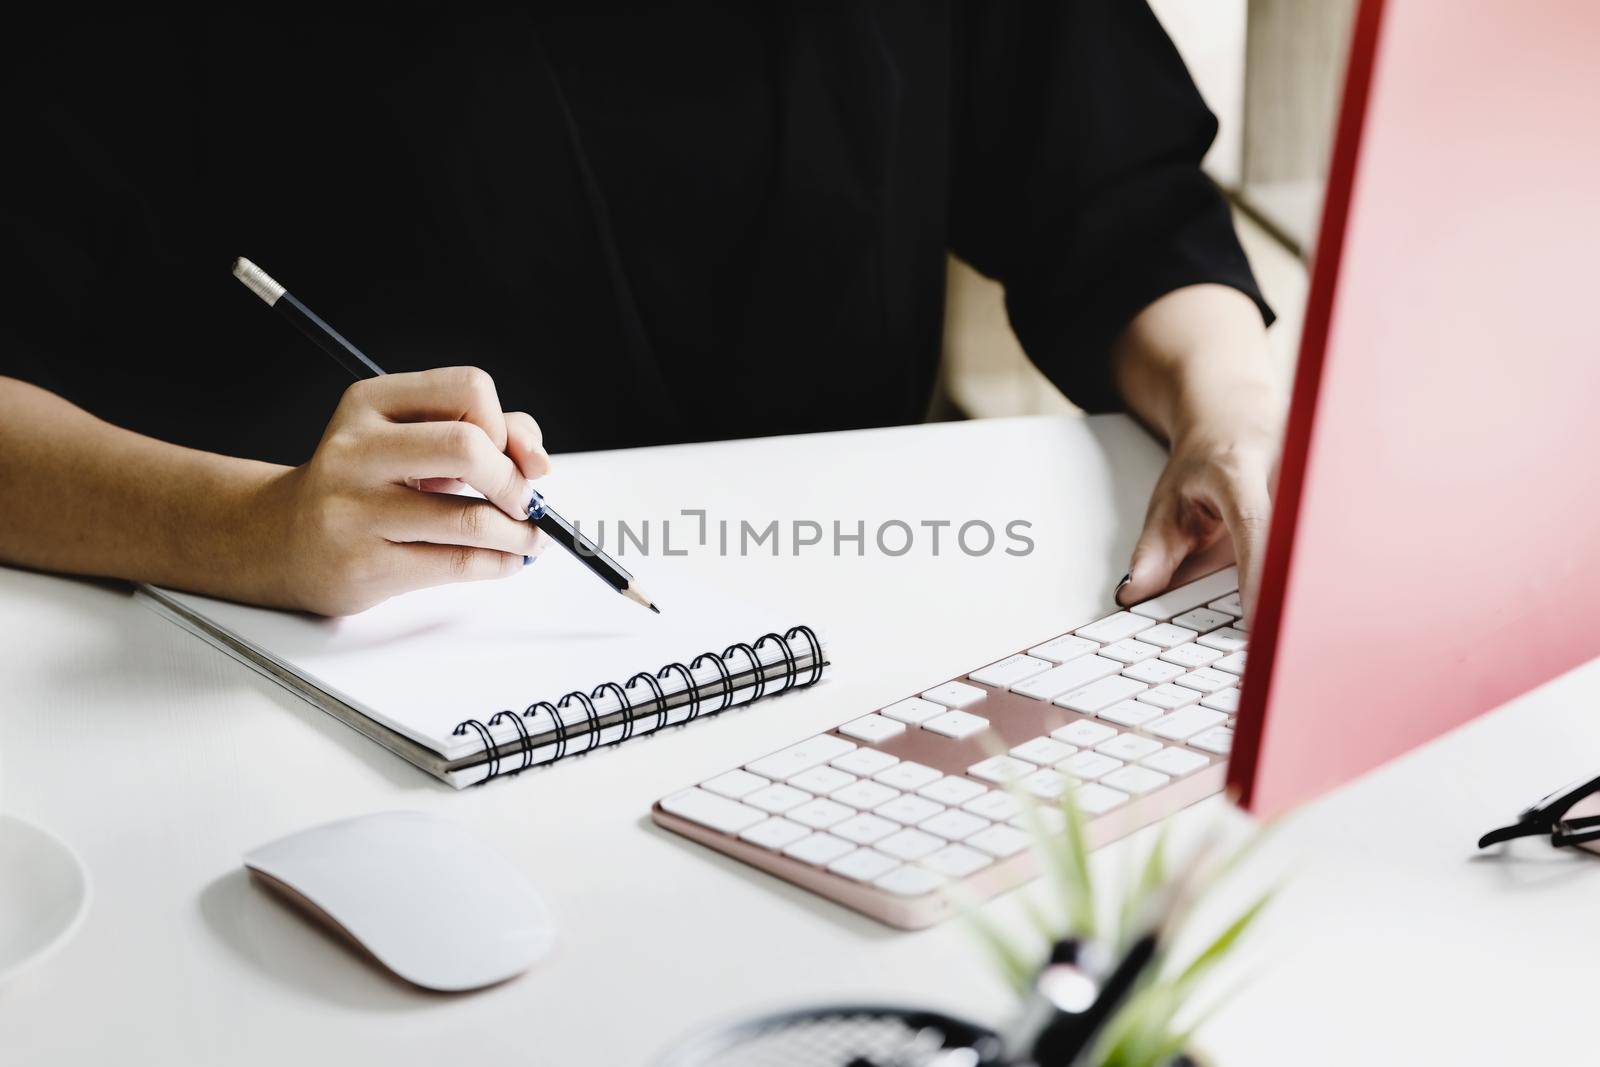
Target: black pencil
355, 361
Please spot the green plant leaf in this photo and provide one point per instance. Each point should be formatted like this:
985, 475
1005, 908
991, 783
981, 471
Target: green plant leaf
1050, 931
1065, 862
1073, 850
1015, 966
1145, 1032
1140, 1029
1222, 944
1152, 877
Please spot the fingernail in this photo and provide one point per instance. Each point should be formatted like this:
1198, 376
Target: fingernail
535, 504
1126, 578
1116, 594
541, 541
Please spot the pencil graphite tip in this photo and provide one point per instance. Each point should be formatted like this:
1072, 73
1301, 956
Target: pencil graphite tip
257, 281
633, 593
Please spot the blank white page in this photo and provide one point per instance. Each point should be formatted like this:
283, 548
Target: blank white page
426, 661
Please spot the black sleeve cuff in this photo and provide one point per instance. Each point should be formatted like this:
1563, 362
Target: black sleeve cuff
1068, 332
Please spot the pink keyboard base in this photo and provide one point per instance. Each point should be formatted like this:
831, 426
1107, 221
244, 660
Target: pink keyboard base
1013, 720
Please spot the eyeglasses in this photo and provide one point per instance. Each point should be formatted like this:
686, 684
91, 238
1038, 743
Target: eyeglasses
1570, 815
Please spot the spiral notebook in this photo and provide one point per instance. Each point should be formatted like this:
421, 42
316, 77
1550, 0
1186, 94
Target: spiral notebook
483, 679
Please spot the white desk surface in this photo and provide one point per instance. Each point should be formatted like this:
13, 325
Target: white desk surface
162, 761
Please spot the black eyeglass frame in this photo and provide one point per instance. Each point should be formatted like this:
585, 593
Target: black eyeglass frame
1548, 816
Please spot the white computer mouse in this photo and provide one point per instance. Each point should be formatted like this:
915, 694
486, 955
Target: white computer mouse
430, 901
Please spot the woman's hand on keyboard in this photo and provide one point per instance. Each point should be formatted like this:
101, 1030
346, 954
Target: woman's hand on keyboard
1216, 485
1195, 366
372, 515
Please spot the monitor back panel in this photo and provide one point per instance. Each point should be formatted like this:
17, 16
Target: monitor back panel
1436, 546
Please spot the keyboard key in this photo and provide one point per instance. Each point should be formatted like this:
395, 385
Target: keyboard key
995, 804
1123, 624
863, 865
865, 761
1167, 635
1038, 819
819, 814
955, 694
957, 724
1046, 784
864, 829
1203, 620
1045, 751
1169, 696
873, 728
1175, 761
913, 711
1012, 669
1206, 680
1102, 694
1084, 733
908, 810
821, 780
774, 833
1087, 766
777, 798
907, 775
819, 849
1227, 639
1130, 713
1001, 769
710, 810
1000, 841
865, 795
796, 758
1135, 780
1067, 677
1191, 656
910, 844
1063, 648
1153, 671
1222, 700
952, 790
1218, 739
1096, 799
1129, 747
1233, 664
1228, 605
1129, 650
956, 861
1184, 724
734, 784
1185, 597
908, 882
953, 825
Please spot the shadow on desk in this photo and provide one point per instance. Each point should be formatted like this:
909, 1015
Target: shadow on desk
1523, 869
270, 937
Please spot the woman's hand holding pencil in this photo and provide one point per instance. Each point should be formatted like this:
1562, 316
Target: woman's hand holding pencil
372, 514
474, 401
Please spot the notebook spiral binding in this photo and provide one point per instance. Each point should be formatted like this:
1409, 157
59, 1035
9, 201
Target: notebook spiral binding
787, 670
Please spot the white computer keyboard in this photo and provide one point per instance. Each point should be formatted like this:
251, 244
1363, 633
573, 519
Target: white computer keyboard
1134, 712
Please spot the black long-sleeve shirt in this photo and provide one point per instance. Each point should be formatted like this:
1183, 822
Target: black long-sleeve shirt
687, 223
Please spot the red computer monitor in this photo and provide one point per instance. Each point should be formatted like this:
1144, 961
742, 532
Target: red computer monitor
1435, 548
